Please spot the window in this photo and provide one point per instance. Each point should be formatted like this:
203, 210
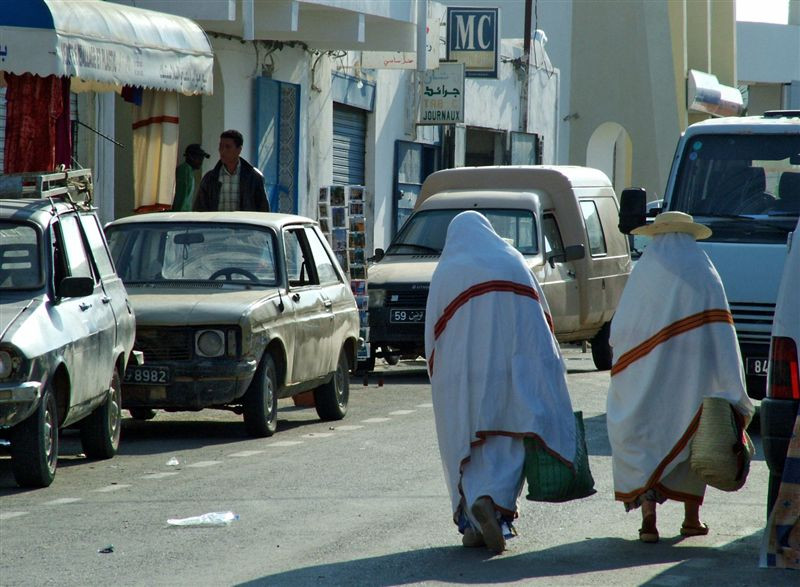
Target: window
325, 270
72, 241
97, 245
553, 245
20, 266
299, 263
594, 230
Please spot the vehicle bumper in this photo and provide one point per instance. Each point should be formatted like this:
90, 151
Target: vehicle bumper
18, 401
193, 386
777, 425
407, 337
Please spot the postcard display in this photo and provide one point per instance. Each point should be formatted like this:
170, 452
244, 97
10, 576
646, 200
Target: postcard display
341, 218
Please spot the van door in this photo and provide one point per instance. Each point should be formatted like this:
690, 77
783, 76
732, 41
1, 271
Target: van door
607, 261
558, 281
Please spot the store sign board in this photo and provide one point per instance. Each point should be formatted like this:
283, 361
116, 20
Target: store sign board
441, 98
405, 59
472, 39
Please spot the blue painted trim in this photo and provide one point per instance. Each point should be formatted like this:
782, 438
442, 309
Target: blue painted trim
33, 14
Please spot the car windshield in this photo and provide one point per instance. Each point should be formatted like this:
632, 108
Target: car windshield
157, 252
20, 257
743, 186
425, 231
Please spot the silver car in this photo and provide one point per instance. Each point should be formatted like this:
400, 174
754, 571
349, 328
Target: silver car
66, 333
235, 310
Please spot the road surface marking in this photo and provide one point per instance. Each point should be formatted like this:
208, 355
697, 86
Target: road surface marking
9, 515
318, 435
62, 500
286, 443
348, 427
424, 405
109, 488
200, 464
159, 475
375, 420
670, 581
401, 412
246, 453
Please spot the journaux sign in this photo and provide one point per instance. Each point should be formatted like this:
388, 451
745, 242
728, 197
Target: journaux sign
472, 39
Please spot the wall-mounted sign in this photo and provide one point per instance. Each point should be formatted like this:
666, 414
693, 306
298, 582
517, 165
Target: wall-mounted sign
441, 99
472, 39
405, 59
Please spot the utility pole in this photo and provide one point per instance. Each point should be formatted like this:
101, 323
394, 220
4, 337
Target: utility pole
526, 56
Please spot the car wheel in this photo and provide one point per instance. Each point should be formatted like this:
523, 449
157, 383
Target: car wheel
261, 400
331, 398
142, 413
601, 349
34, 444
100, 430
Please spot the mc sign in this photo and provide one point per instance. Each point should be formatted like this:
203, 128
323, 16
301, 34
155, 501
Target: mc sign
472, 39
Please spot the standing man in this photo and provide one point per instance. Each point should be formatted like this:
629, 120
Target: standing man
233, 184
184, 177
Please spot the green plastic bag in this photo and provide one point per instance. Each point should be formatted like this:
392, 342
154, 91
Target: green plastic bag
550, 479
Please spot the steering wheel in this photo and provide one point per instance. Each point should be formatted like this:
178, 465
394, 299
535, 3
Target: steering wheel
229, 272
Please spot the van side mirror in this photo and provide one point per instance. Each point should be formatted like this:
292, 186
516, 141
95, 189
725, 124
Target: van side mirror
379, 254
570, 253
75, 287
632, 209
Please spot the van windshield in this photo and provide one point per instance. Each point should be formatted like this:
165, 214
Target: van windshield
745, 187
425, 231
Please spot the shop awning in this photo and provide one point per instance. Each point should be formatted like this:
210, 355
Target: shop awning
103, 45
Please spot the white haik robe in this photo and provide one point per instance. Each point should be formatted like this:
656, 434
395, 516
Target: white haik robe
496, 370
674, 344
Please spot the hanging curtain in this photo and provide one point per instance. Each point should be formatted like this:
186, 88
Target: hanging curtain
155, 150
38, 134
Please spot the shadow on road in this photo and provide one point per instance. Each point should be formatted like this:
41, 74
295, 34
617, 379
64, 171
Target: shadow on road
733, 564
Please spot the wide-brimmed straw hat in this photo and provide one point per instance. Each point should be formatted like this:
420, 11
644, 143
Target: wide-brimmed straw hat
674, 222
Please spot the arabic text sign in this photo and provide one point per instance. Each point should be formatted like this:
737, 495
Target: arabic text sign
441, 99
405, 59
472, 39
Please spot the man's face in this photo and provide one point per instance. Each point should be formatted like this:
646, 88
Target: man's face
228, 151
195, 161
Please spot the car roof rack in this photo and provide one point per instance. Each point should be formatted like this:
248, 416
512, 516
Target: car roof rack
74, 185
782, 114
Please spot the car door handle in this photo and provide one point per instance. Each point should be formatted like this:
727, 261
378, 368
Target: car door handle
571, 273
106, 300
327, 304
296, 297
84, 306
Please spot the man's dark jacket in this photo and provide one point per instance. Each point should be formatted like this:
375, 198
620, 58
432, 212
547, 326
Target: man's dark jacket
252, 195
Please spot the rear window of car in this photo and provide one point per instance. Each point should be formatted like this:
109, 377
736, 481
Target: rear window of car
20, 257
193, 251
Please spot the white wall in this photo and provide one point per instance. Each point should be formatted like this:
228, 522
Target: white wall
767, 53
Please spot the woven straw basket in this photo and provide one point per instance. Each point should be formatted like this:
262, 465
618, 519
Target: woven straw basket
721, 448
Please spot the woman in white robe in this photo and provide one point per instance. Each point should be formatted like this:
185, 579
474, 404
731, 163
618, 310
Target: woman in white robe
674, 344
496, 373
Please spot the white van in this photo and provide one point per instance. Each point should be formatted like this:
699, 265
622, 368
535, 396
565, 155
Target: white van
563, 219
740, 176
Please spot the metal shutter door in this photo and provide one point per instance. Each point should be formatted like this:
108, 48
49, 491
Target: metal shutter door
349, 140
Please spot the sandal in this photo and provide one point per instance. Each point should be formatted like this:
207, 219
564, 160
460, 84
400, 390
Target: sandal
700, 530
648, 536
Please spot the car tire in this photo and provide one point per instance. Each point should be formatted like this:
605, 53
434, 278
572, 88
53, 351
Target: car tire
142, 413
601, 348
100, 430
260, 402
34, 444
331, 398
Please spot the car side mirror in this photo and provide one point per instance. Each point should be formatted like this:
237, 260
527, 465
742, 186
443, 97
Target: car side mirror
379, 254
570, 253
632, 209
75, 287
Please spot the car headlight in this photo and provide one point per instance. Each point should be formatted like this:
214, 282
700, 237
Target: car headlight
6, 364
210, 343
376, 296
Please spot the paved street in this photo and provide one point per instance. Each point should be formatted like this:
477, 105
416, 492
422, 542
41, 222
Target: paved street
356, 502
